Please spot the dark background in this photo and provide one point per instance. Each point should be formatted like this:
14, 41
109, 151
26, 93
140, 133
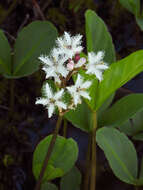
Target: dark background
29, 123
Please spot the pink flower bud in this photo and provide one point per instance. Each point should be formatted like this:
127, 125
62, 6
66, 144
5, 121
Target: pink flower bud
70, 65
77, 57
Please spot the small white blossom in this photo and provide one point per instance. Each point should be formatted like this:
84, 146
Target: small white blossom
96, 65
69, 45
52, 100
80, 62
79, 89
54, 65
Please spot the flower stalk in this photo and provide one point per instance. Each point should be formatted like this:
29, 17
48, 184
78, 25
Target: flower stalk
50, 149
93, 154
88, 163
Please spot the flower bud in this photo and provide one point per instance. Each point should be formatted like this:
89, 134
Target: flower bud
77, 57
70, 65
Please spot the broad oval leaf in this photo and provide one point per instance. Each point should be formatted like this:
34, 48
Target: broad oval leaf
5, 55
97, 36
35, 39
120, 153
80, 117
132, 5
134, 125
118, 74
122, 110
48, 186
71, 180
64, 155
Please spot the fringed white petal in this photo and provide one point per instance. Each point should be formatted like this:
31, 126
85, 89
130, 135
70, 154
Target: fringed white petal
61, 104
42, 101
85, 95
51, 109
86, 84
59, 94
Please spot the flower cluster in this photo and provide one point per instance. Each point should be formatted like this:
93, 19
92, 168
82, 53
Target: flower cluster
64, 61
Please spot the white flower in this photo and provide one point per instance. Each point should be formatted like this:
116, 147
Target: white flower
79, 89
54, 65
69, 45
80, 62
96, 65
51, 100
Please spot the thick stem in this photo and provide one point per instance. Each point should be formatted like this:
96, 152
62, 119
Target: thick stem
65, 128
88, 157
51, 146
93, 155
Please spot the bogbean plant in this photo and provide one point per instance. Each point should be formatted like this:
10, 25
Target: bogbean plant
80, 87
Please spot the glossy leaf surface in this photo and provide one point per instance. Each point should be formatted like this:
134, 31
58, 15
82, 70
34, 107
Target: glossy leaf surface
80, 117
5, 55
118, 74
120, 153
63, 157
35, 39
71, 180
134, 125
122, 110
97, 36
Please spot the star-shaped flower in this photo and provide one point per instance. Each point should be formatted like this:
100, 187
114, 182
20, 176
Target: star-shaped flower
52, 100
79, 89
54, 65
69, 45
96, 65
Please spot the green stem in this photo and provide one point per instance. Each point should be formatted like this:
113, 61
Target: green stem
93, 154
87, 173
65, 128
50, 149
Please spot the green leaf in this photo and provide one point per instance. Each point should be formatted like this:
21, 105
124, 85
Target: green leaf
80, 117
5, 55
118, 74
139, 21
138, 137
134, 125
35, 39
63, 157
131, 5
122, 110
102, 109
120, 153
71, 180
141, 171
48, 186
97, 36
